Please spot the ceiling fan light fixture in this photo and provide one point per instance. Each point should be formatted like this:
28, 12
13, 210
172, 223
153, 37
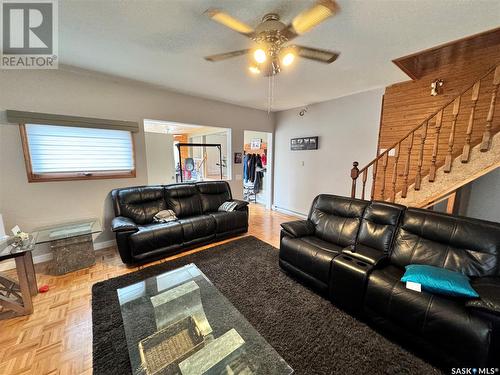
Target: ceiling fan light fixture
288, 58
314, 16
260, 55
254, 69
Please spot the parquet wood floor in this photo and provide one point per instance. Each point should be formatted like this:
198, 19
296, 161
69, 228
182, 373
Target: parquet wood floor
57, 337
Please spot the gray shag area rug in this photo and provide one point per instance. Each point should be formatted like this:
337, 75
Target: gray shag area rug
308, 331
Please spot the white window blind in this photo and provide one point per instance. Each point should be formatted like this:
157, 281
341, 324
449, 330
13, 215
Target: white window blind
60, 149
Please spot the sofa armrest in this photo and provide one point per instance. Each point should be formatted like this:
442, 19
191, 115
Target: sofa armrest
365, 254
299, 228
123, 224
488, 289
241, 204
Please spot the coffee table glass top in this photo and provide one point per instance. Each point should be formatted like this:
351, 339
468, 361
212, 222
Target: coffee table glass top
67, 230
179, 323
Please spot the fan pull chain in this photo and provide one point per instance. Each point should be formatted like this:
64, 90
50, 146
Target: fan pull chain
270, 97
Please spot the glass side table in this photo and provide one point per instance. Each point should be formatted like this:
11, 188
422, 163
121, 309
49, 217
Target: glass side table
71, 244
15, 295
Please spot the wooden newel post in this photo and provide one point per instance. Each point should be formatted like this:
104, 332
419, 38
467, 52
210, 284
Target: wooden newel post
354, 176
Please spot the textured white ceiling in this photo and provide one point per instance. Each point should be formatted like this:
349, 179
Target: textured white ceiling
163, 43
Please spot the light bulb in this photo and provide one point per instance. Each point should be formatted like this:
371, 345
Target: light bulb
288, 58
259, 55
254, 69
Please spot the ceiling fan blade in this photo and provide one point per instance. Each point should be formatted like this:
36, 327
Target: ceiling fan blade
311, 17
316, 54
229, 21
227, 55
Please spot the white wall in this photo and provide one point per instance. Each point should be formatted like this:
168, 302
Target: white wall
484, 197
160, 158
82, 93
348, 130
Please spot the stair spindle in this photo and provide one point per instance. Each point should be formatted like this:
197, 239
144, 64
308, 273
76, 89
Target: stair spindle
437, 130
395, 171
468, 136
384, 170
374, 178
364, 177
354, 176
418, 176
404, 190
451, 141
486, 142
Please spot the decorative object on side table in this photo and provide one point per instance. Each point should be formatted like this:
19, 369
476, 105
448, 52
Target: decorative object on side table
71, 244
15, 296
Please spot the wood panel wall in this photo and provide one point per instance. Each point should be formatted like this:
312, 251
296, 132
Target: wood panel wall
409, 103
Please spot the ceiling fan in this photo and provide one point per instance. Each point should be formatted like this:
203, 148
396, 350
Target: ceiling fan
272, 36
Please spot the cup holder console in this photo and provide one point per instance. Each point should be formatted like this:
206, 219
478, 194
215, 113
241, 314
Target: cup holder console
348, 281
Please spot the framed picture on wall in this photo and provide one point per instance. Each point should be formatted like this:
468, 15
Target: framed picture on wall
304, 143
255, 143
238, 157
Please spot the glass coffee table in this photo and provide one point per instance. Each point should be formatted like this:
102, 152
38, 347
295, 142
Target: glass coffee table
179, 323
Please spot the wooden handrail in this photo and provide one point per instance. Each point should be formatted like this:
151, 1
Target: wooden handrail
382, 159
428, 118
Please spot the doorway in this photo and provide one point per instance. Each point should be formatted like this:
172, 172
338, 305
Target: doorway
257, 167
166, 161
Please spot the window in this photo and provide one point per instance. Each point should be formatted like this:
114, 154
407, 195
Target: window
69, 153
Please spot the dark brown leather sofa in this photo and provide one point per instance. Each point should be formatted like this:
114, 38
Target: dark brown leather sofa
355, 252
139, 239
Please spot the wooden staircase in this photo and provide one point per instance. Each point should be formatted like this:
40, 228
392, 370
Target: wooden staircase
449, 149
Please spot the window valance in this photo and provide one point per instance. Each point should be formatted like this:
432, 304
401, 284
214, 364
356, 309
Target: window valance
22, 117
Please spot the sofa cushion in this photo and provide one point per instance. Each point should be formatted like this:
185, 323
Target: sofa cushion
442, 320
197, 227
155, 236
140, 203
461, 244
379, 224
230, 221
488, 289
309, 254
213, 194
337, 219
183, 199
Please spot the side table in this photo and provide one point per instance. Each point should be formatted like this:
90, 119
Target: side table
71, 244
15, 296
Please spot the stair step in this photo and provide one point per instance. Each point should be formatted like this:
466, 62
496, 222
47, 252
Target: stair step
480, 163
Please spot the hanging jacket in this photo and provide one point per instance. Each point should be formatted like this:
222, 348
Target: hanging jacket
264, 160
245, 168
253, 161
258, 174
